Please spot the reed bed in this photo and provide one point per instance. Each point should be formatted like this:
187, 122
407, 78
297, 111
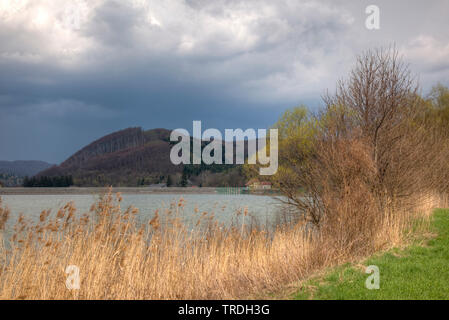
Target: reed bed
164, 258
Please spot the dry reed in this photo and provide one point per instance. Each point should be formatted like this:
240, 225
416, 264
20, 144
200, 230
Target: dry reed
119, 258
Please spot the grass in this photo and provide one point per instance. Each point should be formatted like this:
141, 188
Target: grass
417, 272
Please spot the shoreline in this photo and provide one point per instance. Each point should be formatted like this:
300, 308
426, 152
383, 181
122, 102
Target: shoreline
123, 190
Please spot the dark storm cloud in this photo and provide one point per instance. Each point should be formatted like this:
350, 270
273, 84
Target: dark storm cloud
72, 71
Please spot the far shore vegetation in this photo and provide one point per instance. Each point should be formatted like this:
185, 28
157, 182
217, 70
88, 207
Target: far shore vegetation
48, 182
361, 176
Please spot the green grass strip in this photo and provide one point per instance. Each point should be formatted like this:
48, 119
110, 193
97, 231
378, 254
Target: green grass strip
418, 272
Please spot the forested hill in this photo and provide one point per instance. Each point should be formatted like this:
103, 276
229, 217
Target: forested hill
133, 157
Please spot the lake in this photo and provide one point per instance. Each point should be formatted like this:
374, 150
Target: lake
265, 209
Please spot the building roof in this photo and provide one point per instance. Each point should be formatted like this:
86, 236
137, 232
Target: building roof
256, 181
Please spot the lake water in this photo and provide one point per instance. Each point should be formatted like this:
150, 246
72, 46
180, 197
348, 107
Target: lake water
265, 209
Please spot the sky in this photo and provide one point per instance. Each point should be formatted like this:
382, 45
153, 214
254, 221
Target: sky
72, 71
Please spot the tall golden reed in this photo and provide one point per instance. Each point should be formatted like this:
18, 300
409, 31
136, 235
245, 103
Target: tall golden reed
120, 258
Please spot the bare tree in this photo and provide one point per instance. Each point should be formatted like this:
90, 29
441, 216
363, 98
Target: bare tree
370, 152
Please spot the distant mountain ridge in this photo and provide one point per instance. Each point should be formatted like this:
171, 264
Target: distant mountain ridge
22, 168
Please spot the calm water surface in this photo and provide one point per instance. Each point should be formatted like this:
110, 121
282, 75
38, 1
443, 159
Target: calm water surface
265, 209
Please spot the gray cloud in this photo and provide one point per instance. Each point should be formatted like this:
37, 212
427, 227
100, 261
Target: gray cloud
73, 71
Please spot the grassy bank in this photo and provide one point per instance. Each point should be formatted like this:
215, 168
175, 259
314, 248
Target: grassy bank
417, 272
